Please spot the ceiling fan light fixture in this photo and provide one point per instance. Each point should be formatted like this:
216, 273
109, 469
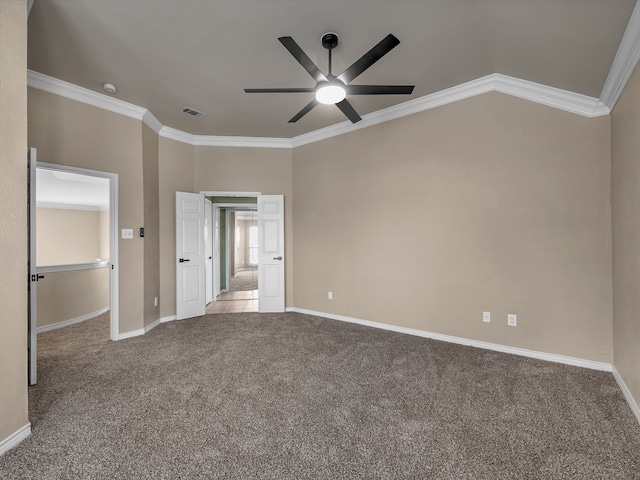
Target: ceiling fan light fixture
330, 94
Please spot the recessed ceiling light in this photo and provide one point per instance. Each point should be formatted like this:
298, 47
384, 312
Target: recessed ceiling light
109, 87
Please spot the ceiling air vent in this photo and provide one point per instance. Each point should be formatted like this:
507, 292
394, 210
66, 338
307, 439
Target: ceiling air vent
192, 112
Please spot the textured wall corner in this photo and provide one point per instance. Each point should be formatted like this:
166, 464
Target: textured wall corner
13, 214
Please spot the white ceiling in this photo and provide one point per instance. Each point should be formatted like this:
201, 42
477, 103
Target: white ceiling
165, 55
55, 189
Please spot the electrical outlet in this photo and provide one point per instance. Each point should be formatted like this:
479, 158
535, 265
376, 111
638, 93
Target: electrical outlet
512, 320
155, 302
330, 295
486, 317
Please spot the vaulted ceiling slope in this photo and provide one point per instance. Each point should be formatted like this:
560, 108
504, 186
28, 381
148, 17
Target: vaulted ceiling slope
171, 54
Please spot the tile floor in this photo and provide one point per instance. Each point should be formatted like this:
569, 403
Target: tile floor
235, 302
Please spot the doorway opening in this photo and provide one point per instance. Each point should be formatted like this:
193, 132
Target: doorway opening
76, 247
239, 262
203, 238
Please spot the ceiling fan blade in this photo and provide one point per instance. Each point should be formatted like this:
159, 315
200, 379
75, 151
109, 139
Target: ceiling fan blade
379, 89
302, 58
304, 111
279, 90
369, 58
348, 110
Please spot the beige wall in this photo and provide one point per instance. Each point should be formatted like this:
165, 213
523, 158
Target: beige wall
264, 170
13, 211
150, 149
229, 169
625, 184
64, 296
72, 133
175, 174
512, 199
67, 236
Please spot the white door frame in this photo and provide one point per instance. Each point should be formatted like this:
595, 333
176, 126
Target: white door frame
114, 277
208, 193
208, 250
216, 209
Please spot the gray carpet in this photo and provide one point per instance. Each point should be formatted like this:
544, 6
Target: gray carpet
290, 396
244, 280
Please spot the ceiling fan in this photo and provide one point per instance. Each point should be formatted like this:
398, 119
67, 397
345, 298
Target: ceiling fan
331, 89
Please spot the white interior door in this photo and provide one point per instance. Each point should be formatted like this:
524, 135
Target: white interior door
190, 253
208, 246
32, 341
271, 253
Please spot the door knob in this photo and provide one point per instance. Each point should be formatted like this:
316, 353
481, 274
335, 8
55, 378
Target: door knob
182, 260
277, 258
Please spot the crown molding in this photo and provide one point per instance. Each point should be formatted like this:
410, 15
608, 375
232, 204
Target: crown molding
262, 142
450, 95
625, 61
550, 96
152, 122
84, 95
535, 92
220, 141
178, 135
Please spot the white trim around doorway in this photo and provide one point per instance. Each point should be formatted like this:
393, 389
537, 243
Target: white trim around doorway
114, 282
233, 206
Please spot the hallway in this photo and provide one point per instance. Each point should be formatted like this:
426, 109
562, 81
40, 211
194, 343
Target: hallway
242, 297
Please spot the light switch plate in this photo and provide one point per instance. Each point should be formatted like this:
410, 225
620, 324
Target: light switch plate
127, 233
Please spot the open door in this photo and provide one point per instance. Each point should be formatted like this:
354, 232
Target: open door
32, 279
271, 253
190, 255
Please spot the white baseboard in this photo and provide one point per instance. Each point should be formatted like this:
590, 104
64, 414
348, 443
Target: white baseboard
131, 334
170, 318
14, 439
627, 394
551, 357
152, 325
71, 321
140, 331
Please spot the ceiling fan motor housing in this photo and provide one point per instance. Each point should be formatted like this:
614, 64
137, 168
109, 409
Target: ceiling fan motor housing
330, 40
